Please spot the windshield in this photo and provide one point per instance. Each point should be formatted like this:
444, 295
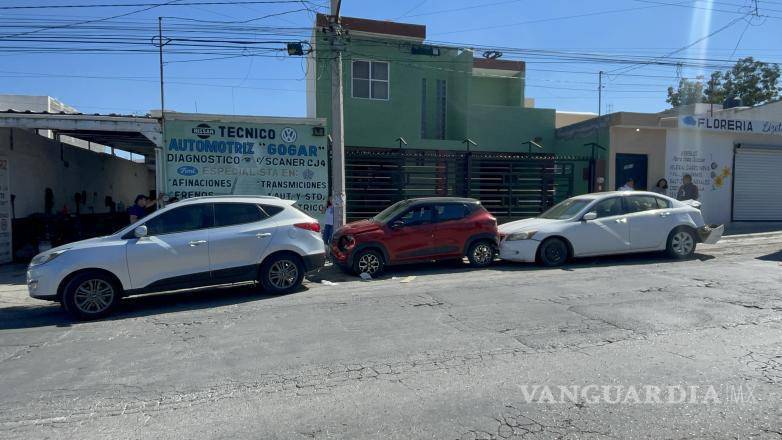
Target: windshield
566, 209
391, 212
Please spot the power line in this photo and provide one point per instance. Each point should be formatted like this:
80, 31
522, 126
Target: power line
95, 20
154, 5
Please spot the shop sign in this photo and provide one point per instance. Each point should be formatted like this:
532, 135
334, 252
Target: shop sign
750, 126
204, 158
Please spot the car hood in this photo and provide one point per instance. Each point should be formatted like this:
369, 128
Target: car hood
525, 225
78, 244
359, 227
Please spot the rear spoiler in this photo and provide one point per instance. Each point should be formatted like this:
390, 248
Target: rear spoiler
693, 203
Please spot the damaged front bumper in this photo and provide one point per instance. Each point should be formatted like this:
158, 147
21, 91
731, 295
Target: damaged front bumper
710, 234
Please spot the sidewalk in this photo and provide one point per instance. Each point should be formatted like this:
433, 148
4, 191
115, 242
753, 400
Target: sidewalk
736, 228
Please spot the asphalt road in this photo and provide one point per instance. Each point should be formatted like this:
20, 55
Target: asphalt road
453, 353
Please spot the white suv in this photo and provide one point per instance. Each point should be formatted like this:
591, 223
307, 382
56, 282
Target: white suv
196, 243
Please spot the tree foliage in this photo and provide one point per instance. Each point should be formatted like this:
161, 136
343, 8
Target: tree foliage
688, 92
753, 82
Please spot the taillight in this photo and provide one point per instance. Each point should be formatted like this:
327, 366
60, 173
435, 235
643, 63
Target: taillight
314, 226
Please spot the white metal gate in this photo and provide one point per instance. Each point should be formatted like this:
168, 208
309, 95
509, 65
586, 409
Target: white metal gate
757, 185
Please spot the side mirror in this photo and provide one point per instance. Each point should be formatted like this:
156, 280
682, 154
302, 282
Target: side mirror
140, 231
589, 216
398, 224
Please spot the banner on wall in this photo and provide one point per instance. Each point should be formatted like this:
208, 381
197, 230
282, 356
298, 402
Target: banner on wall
708, 159
233, 156
6, 245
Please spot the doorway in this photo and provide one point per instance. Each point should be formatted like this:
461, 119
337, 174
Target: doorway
631, 166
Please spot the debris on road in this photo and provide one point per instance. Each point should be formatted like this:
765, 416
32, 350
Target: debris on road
328, 283
365, 276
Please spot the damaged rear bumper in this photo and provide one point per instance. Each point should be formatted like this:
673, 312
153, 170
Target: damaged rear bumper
710, 234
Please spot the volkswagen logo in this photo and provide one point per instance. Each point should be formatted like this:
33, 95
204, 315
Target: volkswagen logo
288, 135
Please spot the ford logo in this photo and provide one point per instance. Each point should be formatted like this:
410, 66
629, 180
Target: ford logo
187, 170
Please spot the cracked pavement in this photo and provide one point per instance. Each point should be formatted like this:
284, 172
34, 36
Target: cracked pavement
445, 355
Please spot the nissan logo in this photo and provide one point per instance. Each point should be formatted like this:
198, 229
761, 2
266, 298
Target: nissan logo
203, 131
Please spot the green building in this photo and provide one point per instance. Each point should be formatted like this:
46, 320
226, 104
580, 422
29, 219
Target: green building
435, 97
432, 96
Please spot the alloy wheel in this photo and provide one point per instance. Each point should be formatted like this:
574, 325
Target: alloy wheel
682, 243
93, 296
555, 252
368, 263
482, 253
283, 274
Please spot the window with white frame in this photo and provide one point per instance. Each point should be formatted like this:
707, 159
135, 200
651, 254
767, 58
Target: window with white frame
370, 79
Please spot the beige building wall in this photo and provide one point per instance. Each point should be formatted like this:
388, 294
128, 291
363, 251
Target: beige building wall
567, 118
649, 141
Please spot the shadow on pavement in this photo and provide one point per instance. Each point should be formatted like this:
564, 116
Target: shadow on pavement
334, 274
50, 314
776, 256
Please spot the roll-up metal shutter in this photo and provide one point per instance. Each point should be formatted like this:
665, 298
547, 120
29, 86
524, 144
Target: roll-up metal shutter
757, 184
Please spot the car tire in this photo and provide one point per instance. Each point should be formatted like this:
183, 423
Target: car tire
91, 295
681, 243
282, 273
368, 261
553, 252
481, 253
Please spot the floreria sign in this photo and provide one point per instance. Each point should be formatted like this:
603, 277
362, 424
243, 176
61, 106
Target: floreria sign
732, 125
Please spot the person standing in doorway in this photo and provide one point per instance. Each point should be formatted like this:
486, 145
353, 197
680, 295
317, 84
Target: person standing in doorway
628, 186
328, 222
139, 208
661, 187
687, 190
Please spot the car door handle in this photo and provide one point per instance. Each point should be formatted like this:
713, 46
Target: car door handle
665, 214
263, 234
621, 220
195, 243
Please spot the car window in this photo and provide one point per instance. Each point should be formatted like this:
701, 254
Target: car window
641, 203
565, 209
184, 218
608, 207
227, 214
450, 211
419, 215
663, 203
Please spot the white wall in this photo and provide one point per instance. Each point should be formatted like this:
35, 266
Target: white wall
35, 165
709, 152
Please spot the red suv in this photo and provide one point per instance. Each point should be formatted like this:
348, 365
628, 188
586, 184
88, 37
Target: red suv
415, 230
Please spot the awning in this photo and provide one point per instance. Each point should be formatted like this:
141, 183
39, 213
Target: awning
137, 134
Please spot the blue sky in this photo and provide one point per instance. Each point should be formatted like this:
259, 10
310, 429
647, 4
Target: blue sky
273, 84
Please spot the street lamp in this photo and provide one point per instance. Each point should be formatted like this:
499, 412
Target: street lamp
531, 142
469, 142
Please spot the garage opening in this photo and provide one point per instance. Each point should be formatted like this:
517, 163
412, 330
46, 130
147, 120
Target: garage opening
756, 184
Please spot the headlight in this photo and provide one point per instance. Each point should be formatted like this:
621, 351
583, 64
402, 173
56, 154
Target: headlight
45, 257
520, 235
346, 242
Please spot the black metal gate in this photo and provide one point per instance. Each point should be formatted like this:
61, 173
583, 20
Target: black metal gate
509, 185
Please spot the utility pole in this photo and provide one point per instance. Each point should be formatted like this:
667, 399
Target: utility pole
159, 169
599, 94
160, 42
337, 123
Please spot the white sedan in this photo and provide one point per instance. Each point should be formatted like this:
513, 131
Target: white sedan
606, 223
